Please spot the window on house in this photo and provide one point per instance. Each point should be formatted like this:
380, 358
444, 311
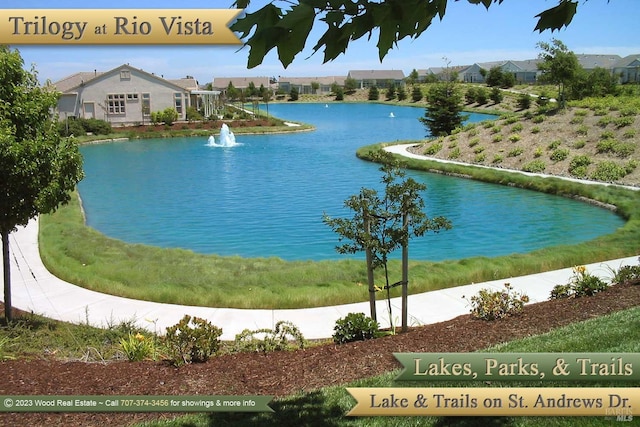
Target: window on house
132, 97
125, 75
146, 104
178, 102
115, 103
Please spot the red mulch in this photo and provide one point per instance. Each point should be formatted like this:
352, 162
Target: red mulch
281, 373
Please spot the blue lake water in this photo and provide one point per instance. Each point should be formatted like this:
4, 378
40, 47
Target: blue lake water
266, 196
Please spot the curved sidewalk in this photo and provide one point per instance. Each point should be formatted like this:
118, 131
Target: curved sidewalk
36, 290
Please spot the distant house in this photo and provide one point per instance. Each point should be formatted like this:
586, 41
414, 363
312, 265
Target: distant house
378, 78
591, 61
628, 69
304, 85
128, 95
524, 71
242, 83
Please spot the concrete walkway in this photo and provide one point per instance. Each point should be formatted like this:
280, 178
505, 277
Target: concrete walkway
36, 290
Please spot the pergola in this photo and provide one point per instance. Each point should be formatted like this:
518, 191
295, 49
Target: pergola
207, 100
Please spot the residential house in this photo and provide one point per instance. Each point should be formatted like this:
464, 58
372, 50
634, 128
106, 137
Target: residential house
222, 83
591, 61
304, 85
378, 78
628, 69
126, 95
524, 71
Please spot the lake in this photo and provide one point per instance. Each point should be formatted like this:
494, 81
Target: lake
266, 196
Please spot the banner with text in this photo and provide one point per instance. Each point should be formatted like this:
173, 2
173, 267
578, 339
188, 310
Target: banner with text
117, 26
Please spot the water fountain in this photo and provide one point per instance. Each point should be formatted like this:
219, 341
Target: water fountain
226, 138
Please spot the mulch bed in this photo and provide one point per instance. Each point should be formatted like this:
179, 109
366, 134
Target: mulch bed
281, 373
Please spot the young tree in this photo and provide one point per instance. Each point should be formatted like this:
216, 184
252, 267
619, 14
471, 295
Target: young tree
293, 94
413, 77
314, 87
402, 94
286, 25
416, 94
443, 113
350, 85
382, 224
559, 66
391, 92
496, 95
374, 94
38, 168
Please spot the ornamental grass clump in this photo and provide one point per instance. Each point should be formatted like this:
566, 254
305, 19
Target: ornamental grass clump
580, 284
355, 327
284, 336
492, 305
137, 347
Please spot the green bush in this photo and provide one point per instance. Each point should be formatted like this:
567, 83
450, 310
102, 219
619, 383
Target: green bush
355, 327
480, 158
578, 166
71, 127
579, 144
538, 119
491, 305
560, 154
455, 153
192, 340
581, 284
535, 129
535, 166
433, 149
497, 159
169, 115
516, 128
515, 152
514, 137
609, 171
627, 274
266, 340
554, 144
582, 130
624, 121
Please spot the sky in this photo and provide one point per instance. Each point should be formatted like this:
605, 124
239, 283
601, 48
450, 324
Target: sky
467, 34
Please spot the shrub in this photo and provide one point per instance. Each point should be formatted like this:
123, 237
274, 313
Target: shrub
137, 347
433, 149
582, 130
492, 305
609, 171
511, 120
524, 101
96, 126
470, 95
496, 129
71, 127
514, 138
607, 134
478, 150
579, 144
577, 120
627, 274
535, 129
515, 152
578, 166
480, 158
604, 121
192, 344
560, 154
497, 138
621, 122
474, 142
537, 153
580, 284
538, 119
265, 340
516, 128
534, 166
354, 327
497, 159
455, 153
496, 95
554, 144
629, 134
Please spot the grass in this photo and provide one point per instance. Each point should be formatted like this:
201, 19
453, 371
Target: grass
618, 332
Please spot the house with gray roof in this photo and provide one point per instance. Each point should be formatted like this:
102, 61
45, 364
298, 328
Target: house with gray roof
128, 95
304, 85
628, 69
378, 78
591, 61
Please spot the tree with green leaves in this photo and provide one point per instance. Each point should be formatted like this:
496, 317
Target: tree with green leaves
402, 94
416, 94
413, 77
38, 167
384, 223
314, 87
285, 25
559, 66
444, 109
294, 94
350, 85
374, 94
391, 92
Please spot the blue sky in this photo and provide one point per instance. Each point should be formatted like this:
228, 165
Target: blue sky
467, 34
